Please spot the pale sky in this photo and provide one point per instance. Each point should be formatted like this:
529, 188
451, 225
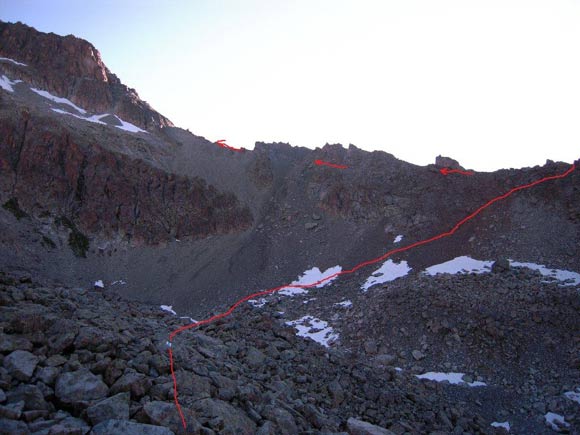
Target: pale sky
493, 83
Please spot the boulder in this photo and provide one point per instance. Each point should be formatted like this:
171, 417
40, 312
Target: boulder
13, 427
125, 427
359, 427
136, 383
21, 364
112, 408
234, 420
501, 265
80, 386
31, 395
165, 414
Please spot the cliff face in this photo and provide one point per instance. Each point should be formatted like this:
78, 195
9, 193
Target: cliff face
47, 169
72, 68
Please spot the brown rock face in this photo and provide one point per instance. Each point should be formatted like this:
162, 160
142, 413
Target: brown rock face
72, 68
103, 193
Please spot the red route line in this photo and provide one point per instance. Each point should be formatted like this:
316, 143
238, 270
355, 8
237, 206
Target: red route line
345, 272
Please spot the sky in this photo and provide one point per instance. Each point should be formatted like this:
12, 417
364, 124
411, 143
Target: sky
493, 83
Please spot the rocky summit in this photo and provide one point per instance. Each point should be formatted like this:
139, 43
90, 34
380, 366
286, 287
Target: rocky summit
370, 297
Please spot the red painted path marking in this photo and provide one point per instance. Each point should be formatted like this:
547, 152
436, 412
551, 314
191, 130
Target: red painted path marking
447, 171
332, 165
222, 143
345, 272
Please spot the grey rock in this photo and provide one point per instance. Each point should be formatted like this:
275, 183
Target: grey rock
125, 427
2, 396
70, 426
80, 386
234, 419
385, 359
137, 383
193, 385
12, 411
359, 427
255, 358
31, 395
418, 355
500, 266
112, 408
12, 427
9, 343
21, 364
47, 375
165, 414
283, 419
310, 225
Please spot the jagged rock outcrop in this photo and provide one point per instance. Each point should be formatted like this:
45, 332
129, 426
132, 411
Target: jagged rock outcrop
47, 169
72, 68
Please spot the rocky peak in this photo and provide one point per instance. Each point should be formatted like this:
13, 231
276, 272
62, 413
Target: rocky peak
72, 68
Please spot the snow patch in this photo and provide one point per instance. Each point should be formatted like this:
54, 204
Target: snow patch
13, 61
555, 421
310, 277
94, 119
120, 282
127, 126
257, 303
344, 304
59, 100
6, 83
505, 425
398, 238
168, 308
315, 329
389, 271
189, 318
463, 264
566, 276
573, 395
452, 378
99, 283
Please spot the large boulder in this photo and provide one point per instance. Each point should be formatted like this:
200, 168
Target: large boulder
165, 414
79, 387
21, 364
234, 420
359, 427
112, 408
125, 427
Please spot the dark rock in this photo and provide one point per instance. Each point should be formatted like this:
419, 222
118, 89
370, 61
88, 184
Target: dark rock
283, 419
137, 383
255, 358
31, 395
500, 266
12, 411
165, 414
359, 427
8, 343
70, 426
112, 408
21, 364
234, 420
79, 387
125, 427
12, 427
47, 375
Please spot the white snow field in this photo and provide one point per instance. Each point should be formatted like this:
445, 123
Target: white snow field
389, 271
59, 100
452, 378
6, 83
310, 277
